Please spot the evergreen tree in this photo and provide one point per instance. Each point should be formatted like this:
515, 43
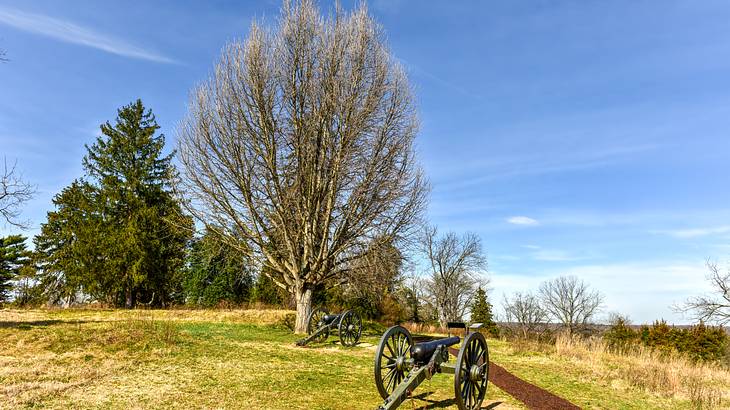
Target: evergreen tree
216, 273
481, 312
13, 257
266, 291
71, 249
119, 235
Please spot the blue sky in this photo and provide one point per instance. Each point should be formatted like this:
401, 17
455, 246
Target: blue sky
575, 137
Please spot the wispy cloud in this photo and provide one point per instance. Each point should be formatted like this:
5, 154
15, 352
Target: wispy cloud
522, 220
69, 32
553, 255
504, 167
695, 232
418, 71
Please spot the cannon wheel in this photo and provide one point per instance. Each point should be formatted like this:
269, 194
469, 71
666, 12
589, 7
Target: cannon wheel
350, 328
472, 372
392, 359
315, 321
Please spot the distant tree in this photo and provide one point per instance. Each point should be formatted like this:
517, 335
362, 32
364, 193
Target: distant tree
481, 312
216, 273
119, 235
70, 249
14, 192
712, 308
456, 264
620, 335
525, 310
300, 147
26, 291
413, 298
13, 257
570, 301
266, 292
373, 283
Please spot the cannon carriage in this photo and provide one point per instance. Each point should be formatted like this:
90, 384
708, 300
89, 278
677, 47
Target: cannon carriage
321, 323
401, 365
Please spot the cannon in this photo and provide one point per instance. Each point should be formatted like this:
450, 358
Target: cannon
320, 323
401, 365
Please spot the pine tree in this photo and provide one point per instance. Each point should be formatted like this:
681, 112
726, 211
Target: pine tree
13, 257
216, 273
481, 312
119, 234
71, 249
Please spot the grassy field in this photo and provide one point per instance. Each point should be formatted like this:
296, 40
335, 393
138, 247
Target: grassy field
234, 359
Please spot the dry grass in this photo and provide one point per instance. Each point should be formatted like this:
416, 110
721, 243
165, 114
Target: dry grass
94, 359
109, 359
703, 385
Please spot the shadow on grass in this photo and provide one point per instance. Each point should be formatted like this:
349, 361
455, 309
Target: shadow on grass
450, 403
40, 323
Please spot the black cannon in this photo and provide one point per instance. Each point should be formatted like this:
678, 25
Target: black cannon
320, 323
401, 365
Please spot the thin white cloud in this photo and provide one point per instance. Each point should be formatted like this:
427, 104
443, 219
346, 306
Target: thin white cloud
555, 255
695, 232
522, 220
69, 32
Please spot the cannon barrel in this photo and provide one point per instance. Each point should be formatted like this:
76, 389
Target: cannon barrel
328, 319
422, 352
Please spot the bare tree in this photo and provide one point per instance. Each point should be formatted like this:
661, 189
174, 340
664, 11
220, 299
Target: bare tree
376, 274
14, 192
570, 301
456, 265
525, 309
300, 145
713, 309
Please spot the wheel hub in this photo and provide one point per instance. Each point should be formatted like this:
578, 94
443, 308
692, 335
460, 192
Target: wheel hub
475, 373
350, 328
400, 363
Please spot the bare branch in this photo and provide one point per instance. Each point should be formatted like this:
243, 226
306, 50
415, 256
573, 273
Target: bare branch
456, 267
14, 192
299, 147
526, 310
712, 308
570, 301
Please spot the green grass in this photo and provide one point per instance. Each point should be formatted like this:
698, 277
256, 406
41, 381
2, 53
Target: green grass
232, 359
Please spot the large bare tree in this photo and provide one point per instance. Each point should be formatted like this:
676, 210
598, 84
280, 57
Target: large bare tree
14, 192
300, 145
570, 301
456, 270
526, 311
712, 308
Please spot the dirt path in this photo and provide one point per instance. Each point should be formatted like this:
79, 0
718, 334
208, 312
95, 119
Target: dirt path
530, 395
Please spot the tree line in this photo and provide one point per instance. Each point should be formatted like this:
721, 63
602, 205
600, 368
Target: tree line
296, 181
120, 235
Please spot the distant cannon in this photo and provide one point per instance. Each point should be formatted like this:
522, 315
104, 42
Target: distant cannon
401, 365
320, 323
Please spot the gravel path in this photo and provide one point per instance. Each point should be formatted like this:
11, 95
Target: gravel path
530, 395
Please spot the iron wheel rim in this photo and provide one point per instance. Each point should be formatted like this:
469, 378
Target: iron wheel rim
394, 354
350, 328
473, 359
315, 321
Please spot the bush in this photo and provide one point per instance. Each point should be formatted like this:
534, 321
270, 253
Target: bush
699, 342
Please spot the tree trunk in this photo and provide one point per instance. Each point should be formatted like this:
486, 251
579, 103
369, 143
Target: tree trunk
304, 307
129, 302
